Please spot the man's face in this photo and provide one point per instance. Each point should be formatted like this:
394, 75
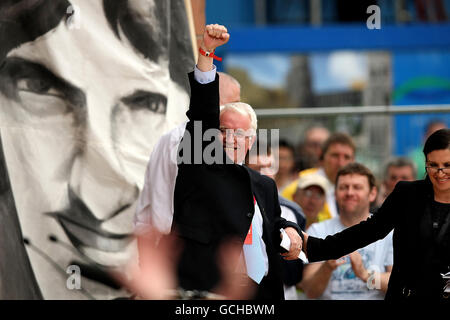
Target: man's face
311, 200
396, 174
83, 112
314, 139
354, 195
337, 156
235, 128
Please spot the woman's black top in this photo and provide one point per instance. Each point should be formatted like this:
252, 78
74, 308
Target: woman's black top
421, 241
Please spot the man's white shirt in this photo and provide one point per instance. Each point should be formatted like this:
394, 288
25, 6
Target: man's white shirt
343, 284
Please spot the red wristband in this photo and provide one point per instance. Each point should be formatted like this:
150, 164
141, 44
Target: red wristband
209, 54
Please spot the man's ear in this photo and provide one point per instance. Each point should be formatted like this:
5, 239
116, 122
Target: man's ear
373, 194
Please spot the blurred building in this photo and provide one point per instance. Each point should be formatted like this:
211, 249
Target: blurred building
404, 64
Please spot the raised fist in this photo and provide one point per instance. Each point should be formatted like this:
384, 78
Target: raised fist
215, 35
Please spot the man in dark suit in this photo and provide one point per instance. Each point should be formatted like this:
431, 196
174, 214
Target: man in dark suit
216, 198
217, 201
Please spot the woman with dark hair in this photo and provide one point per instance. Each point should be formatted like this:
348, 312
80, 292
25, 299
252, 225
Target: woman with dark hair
419, 213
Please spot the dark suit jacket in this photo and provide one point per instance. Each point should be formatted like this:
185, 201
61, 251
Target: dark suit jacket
214, 202
418, 260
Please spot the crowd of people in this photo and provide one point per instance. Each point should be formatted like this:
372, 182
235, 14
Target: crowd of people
213, 219
356, 233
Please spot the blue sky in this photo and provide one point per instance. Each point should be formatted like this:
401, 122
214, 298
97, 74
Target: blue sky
333, 71
268, 70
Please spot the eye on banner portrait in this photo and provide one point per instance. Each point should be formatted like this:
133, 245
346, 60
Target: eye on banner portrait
86, 90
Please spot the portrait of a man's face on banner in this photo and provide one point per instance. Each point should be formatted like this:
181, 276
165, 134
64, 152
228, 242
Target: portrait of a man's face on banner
86, 90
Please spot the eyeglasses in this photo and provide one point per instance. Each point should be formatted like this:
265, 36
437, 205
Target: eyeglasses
239, 133
435, 169
314, 195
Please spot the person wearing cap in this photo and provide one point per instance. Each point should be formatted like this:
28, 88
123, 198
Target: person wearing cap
363, 274
310, 196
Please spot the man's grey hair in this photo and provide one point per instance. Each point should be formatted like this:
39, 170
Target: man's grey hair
244, 109
400, 162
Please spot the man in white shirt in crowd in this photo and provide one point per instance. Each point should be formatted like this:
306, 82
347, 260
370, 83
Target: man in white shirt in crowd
364, 274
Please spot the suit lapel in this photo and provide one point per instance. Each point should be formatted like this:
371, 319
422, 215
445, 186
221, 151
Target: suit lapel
257, 188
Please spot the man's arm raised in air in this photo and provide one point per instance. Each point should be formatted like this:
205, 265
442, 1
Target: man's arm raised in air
215, 36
